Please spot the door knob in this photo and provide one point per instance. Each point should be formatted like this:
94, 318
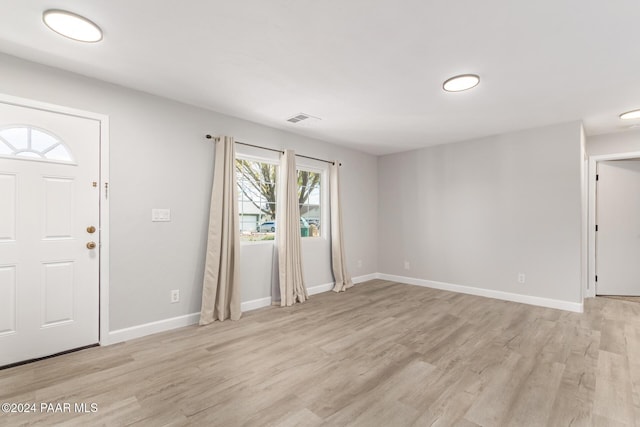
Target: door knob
91, 229
91, 245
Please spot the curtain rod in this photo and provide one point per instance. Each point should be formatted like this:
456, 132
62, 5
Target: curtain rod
279, 151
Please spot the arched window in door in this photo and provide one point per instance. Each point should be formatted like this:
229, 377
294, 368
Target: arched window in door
32, 143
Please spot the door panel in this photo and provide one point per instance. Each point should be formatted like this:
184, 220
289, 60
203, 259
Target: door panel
58, 208
7, 299
7, 207
618, 235
49, 279
58, 282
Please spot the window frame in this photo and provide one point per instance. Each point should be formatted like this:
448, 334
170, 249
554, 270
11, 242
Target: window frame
259, 159
309, 166
30, 149
324, 197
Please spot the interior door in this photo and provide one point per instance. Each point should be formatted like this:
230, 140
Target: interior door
49, 232
618, 235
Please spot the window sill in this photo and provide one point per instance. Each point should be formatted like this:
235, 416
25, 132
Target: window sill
256, 242
314, 239
264, 242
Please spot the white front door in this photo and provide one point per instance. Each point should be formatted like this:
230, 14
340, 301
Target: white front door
49, 208
618, 235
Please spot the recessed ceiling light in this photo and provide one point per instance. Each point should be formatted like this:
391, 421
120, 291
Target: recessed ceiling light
635, 114
73, 26
461, 82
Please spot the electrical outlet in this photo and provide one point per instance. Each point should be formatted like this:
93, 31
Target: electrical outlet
407, 266
175, 296
521, 277
359, 263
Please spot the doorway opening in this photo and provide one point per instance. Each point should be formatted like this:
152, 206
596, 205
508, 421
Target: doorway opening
608, 272
54, 229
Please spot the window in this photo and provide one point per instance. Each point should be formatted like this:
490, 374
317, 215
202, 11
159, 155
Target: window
256, 182
257, 186
309, 184
30, 143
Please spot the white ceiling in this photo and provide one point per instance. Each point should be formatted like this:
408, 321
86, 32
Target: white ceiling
371, 69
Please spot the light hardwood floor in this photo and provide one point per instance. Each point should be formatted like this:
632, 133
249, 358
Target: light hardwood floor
381, 354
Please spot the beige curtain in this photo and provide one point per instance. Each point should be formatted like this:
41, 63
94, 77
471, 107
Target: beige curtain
221, 287
338, 263
292, 287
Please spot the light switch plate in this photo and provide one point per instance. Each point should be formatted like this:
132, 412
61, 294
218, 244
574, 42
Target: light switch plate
160, 215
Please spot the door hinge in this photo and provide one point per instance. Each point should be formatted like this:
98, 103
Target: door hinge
596, 228
597, 177
596, 278
106, 190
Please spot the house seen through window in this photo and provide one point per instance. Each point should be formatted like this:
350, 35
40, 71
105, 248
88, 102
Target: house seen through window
257, 192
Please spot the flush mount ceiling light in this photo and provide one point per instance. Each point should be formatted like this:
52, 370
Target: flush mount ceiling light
73, 26
635, 114
461, 82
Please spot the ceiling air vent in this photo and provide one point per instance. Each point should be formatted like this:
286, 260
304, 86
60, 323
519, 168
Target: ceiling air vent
300, 117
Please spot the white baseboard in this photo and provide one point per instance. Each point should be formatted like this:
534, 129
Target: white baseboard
318, 289
489, 293
365, 278
329, 286
143, 330
255, 304
139, 331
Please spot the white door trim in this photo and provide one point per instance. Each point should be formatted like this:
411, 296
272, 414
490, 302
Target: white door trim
591, 241
104, 198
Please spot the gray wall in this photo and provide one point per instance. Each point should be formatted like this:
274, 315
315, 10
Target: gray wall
613, 143
159, 158
477, 213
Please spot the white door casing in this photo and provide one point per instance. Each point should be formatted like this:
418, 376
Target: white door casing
618, 222
49, 278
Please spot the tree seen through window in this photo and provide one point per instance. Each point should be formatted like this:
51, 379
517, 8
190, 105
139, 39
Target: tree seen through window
257, 188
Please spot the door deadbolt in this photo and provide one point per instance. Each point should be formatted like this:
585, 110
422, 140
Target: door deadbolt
91, 245
91, 229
